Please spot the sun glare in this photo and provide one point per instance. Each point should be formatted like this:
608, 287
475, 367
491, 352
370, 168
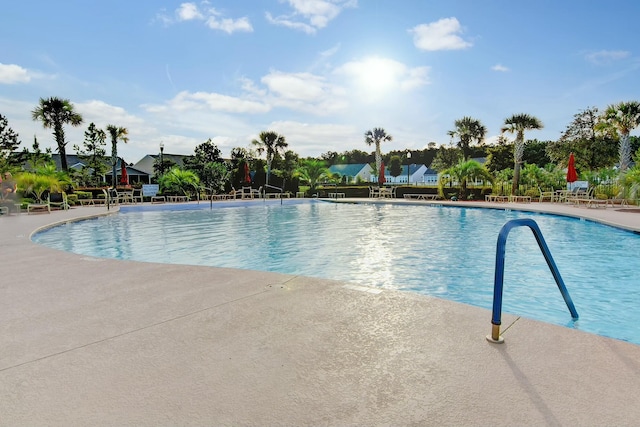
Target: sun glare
378, 74
374, 76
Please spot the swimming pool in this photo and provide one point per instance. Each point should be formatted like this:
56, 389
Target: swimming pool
447, 252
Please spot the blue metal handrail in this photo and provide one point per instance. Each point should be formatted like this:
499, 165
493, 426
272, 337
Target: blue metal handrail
499, 273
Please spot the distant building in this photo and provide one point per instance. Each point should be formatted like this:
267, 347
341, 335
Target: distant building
412, 174
75, 162
135, 175
430, 177
351, 173
146, 163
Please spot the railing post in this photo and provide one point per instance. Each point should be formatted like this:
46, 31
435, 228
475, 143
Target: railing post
498, 283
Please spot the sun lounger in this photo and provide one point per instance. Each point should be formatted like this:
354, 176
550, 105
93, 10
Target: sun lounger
38, 207
421, 196
495, 198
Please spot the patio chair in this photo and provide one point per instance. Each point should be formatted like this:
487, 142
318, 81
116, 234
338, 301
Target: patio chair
544, 195
247, 193
58, 200
256, 193
111, 196
137, 195
580, 195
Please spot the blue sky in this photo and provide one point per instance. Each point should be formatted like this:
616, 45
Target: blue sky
320, 72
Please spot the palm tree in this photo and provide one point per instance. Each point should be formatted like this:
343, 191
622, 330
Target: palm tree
55, 113
630, 181
312, 171
179, 181
116, 133
271, 143
376, 136
621, 119
31, 183
468, 130
461, 173
517, 124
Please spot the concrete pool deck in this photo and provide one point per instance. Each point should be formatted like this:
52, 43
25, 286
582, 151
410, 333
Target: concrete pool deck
87, 341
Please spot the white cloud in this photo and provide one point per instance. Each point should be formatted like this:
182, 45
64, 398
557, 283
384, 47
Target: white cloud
606, 56
313, 138
11, 73
500, 67
188, 12
212, 18
330, 52
415, 78
286, 22
439, 35
250, 87
215, 102
229, 25
316, 14
100, 112
295, 86
304, 92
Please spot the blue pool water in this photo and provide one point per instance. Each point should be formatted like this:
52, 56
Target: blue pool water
447, 252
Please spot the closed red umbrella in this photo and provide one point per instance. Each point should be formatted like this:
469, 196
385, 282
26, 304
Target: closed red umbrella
381, 178
124, 177
247, 176
572, 175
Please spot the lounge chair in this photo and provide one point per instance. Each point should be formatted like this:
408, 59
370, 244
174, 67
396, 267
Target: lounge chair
40, 206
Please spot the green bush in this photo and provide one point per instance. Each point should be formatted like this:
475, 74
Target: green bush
82, 195
532, 192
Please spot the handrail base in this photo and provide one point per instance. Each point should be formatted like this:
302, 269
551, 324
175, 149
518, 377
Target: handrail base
500, 339
495, 336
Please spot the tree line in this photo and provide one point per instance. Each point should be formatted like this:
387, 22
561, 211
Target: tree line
597, 139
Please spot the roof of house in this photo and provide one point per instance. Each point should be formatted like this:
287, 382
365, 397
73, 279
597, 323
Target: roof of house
146, 163
131, 171
413, 168
352, 169
75, 161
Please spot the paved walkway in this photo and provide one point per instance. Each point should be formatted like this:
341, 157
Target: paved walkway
98, 342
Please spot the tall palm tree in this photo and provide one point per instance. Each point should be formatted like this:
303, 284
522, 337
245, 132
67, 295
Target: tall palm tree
55, 113
468, 130
271, 143
517, 124
622, 118
116, 133
376, 136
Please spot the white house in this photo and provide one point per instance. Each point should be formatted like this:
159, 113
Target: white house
351, 173
414, 175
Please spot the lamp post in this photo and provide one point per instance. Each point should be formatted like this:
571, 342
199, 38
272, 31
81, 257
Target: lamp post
161, 158
408, 167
